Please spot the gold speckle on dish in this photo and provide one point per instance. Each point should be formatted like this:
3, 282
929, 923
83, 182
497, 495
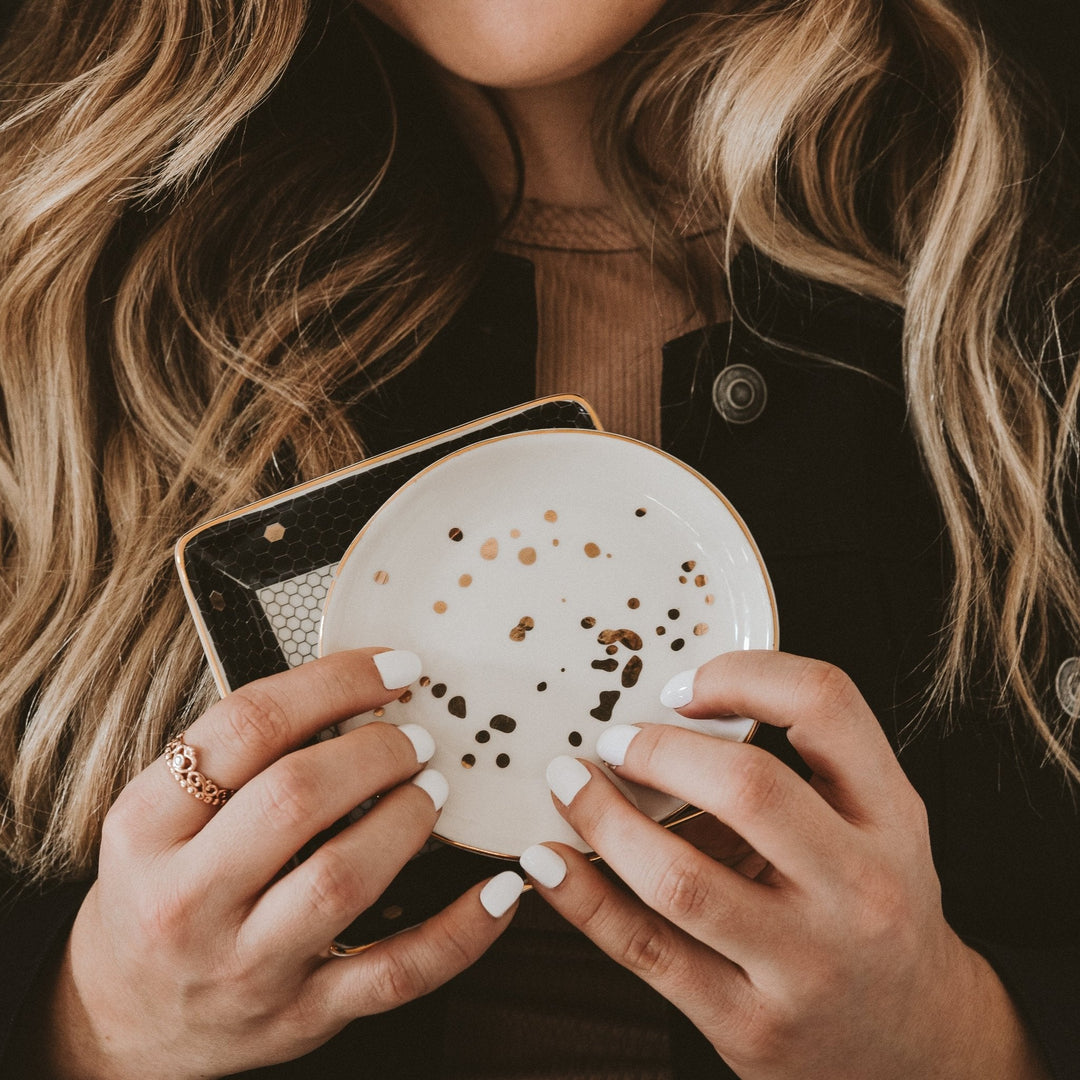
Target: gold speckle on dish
689, 565
406, 697
439, 607
605, 665
588, 622
592, 550
682, 579
379, 712
640, 511
515, 533
701, 629
425, 680
527, 556
661, 631
468, 761
611, 650
628, 638
633, 603
700, 580
465, 580
632, 672
550, 515
381, 577
525, 624
456, 535
607, 703
489, 549
710, 598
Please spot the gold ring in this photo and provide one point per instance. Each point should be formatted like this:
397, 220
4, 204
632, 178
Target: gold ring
183, 764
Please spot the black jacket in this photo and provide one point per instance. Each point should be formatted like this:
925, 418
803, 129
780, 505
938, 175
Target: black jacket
828, 480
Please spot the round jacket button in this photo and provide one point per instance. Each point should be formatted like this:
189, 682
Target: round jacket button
1068, 685
739, 394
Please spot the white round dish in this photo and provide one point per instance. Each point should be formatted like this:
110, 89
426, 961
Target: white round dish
552, 582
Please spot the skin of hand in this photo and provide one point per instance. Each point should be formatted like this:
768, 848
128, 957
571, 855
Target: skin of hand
816, 946
194, 954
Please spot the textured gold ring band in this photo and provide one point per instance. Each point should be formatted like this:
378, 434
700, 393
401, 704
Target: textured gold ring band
183, 764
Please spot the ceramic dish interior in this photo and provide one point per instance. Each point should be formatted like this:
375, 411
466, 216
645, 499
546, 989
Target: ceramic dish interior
552, 582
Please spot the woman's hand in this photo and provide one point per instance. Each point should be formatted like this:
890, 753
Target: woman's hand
819, 948
194, 955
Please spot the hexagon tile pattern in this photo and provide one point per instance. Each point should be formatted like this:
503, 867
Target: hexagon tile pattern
294, 609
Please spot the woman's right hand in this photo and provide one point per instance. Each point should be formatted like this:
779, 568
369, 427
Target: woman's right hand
193, 955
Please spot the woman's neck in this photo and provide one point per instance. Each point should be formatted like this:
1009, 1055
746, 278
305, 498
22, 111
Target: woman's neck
553, 125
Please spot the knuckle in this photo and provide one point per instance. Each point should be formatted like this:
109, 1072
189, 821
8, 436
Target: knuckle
336, 890
648, 951
766, 1031
398, 978
826, 690
684, 893
121, 827
752, 784
166, 915
288, 795
254, 719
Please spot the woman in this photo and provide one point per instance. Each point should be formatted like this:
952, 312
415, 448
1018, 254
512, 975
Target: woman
245, 243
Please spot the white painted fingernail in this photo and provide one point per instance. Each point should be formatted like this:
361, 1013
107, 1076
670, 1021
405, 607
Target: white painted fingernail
420, 737
679, 690
435, 784
544, 865
499, 894
397, 668
566, 776
613, 741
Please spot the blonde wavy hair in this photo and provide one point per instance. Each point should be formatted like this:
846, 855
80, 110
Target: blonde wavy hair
222, 223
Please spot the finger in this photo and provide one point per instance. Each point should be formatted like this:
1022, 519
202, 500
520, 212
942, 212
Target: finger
827, 721
281, 809
777, 812
298, 917
252, 727
714, 904
703, 984
416, 961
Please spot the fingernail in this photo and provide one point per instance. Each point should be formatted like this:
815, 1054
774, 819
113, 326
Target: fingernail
420, 737
397, 668
613, 741
544, 865
435, 784
499, 894
566, 776
679, 691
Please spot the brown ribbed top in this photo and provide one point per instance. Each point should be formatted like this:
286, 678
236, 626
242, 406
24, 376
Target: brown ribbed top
604, 313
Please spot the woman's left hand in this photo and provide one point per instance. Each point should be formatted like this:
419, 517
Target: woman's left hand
823, 952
